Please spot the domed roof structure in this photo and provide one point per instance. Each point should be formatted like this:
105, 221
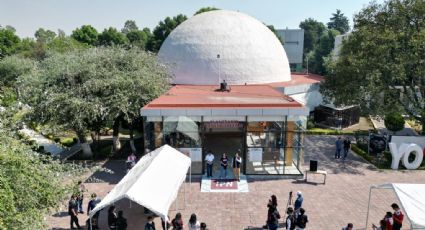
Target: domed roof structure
224, 45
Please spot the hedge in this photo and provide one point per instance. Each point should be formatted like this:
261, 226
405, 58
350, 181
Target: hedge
361, 153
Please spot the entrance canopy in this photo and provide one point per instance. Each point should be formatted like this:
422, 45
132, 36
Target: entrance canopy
412, 199
153, 182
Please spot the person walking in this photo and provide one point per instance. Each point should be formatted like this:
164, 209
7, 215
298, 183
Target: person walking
298, 203
290, 219
338, 146
397, 217
236, 163
177, 222
194, 223
73, 211
150, 225
92, 204
121, 221
347, 147
112, 218
223, 163
302, 220
209, 159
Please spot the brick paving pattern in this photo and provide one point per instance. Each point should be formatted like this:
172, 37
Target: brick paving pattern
343, 199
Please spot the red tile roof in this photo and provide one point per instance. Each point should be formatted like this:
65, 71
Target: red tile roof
204, 96
299, 79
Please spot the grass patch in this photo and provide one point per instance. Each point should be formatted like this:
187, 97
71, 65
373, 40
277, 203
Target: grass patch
321, 131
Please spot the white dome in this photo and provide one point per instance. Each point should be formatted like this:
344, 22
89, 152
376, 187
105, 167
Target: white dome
249, 51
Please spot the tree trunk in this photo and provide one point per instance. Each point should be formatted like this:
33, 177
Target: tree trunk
133, 147
84, 145
115, 134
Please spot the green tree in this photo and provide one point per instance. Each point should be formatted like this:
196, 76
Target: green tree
206, 9
139, 38
312, 32
129, 26
92, 87
12, 67
86, 34
380, 66
322, 51
111, 36
162, 30
44, 36
31, 184
9, 41
394, 122
339, 22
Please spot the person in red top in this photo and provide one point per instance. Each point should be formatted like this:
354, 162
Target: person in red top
397, 217
389, 221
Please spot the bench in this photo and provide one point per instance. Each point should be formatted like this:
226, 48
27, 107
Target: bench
321, 172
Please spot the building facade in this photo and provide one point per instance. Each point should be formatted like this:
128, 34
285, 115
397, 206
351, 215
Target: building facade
293, 42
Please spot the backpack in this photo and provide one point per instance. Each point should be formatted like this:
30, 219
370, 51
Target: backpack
274, 216
292, 219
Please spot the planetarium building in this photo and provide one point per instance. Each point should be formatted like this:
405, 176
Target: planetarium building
231, 92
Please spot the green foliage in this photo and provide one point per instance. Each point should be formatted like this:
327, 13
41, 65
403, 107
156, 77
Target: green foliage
394, 121
9, 41
361, 153
7, 96
162, 30
44, 36
30, 185
139, 38
82, 90
339, 22
85, 34
129, 26
12, 67
312, 32
111, 36
382, 59
205, 9
324, 48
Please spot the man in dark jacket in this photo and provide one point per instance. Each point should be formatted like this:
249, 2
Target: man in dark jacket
302, 220
73, 211
121, 221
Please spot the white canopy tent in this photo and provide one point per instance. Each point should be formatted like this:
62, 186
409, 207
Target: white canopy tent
153, 182
412, 199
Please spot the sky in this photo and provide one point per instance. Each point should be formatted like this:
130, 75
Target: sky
26, 16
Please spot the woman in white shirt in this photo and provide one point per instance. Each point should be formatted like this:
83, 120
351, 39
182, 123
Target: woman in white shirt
193, 223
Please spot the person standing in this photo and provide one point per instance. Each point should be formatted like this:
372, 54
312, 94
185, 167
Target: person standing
209, 159
81, 188
397, 217
236, 163
298, 203
349, 227
290, 220
73, 211
223, 163
271, 208
194, 223
112, 218
302, 220
389, 220
347, 147
92, 204
150, 225
177, 222
203, 226
338, 146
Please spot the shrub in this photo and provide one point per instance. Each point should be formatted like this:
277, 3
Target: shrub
361, 153
394, 122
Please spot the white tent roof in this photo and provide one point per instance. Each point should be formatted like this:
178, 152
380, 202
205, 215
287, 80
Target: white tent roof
153, 182
412, 198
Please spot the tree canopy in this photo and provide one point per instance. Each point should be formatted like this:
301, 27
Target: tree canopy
205, 9
9, 41
111, 36
162, 30
339, 22
92, 85
381, 64
85, 34
44, 36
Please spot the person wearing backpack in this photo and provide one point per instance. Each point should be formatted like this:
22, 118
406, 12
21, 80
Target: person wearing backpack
290, 220
273, 218
302, 220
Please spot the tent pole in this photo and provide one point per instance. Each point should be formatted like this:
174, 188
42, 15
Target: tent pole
368, 207
90, 224
184, 195
190, 181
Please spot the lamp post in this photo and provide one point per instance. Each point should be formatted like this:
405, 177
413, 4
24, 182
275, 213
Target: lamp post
219, 70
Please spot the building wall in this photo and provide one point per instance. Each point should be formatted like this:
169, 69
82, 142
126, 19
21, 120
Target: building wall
293, 40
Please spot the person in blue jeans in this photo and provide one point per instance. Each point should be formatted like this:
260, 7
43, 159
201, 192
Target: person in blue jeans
338, 144
209, 159
224, 161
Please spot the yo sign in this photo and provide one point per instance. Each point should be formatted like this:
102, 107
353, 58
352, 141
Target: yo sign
402, 147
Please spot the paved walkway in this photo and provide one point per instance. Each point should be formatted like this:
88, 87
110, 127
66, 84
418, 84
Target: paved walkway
49, 145
343, 199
